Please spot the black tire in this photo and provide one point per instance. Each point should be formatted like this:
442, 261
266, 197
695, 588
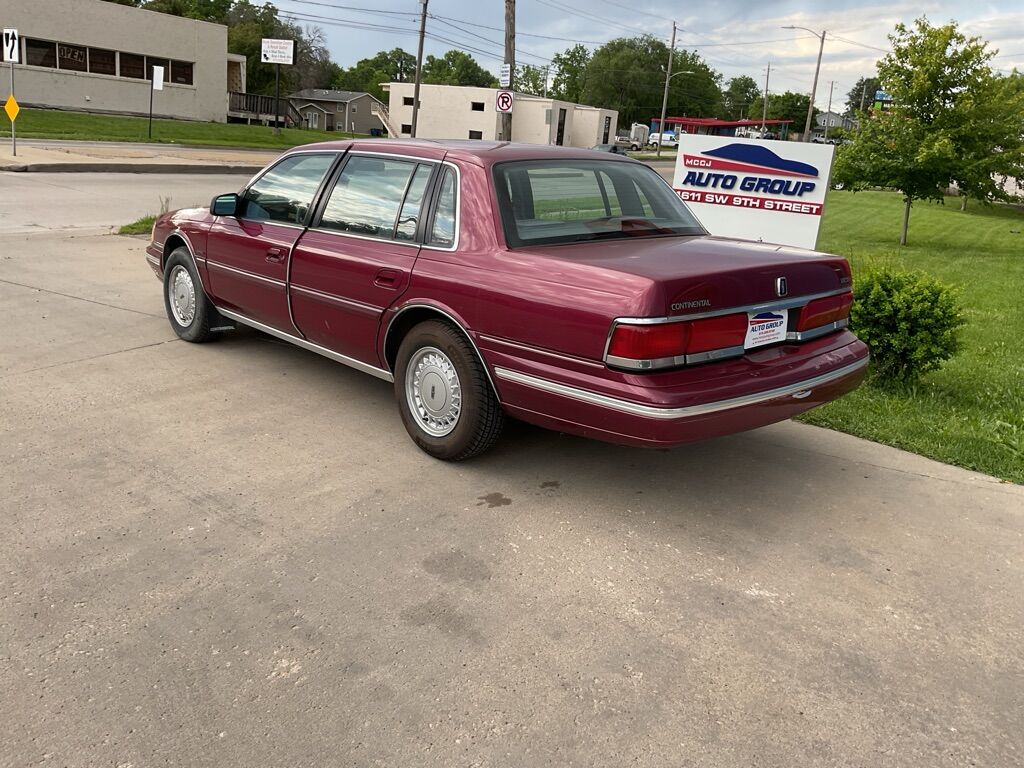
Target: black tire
479, 419
197, 329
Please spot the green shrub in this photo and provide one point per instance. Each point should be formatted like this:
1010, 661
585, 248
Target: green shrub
909, 320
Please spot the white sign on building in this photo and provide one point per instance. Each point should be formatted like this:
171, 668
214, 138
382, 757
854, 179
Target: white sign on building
158, 78
278, 51
752, 189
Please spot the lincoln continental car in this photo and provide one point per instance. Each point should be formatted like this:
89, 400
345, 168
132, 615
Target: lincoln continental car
488, 280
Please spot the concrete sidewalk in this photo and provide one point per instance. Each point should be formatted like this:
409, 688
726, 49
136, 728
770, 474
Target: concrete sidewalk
125, 157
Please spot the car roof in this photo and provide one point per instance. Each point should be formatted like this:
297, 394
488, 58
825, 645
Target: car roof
475, 151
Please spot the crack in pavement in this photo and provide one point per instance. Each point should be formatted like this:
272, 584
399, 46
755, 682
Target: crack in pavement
87, 359
79, 298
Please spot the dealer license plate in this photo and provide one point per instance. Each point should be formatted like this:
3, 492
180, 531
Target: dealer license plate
765, 328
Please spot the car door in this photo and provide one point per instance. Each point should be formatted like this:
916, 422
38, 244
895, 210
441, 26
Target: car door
247, 254
357, 258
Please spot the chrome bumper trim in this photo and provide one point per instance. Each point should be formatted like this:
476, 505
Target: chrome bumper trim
351, 362
657, 412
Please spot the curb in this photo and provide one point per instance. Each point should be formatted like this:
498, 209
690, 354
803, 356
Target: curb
129, 168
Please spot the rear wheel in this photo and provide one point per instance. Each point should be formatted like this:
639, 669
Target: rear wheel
444, 397
188, 309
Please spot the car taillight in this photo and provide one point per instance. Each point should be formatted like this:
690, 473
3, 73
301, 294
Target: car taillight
662, 345
716, 333
649, 342
821, 312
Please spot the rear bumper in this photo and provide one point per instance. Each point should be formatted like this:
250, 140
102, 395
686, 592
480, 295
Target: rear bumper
667, 416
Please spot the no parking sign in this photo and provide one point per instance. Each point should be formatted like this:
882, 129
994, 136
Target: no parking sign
503, 101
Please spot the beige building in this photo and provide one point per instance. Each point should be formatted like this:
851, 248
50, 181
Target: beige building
329, 110
97, 56
457, 112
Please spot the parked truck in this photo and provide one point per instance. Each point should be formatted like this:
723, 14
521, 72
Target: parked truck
636, 139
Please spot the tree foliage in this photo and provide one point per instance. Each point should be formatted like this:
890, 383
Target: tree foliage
456, 68
953, 120
396, 66
530, 79
865, 88
628, 74
739, 97
570, 68
784, 106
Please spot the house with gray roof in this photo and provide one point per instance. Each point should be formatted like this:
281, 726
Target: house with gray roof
329, 110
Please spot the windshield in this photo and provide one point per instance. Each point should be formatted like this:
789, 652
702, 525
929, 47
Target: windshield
571, 201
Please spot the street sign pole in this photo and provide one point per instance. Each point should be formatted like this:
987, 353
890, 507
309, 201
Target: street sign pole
14, 138
151, 88
277, 100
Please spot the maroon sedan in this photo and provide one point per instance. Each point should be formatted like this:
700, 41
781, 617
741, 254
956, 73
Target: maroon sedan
567, 289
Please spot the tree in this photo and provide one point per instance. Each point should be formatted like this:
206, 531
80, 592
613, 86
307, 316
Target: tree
456, 68
784, 106
862, 95
739, 96
570, 73
394, 66
628, 75
530, 79
951, 120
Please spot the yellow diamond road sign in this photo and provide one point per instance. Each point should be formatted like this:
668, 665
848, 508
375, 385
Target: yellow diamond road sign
11, 108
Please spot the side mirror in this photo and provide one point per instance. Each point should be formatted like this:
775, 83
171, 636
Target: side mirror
225, 205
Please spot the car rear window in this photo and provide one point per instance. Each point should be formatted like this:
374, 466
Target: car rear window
569, 201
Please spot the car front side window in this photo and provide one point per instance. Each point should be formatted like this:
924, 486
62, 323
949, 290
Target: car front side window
285, 192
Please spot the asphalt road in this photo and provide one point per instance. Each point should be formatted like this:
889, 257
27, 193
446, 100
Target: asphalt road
231, 555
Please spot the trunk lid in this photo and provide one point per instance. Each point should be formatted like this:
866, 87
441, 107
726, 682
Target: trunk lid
691, 275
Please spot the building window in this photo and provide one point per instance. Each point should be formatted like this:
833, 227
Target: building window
476, 134
406, 128
477, 106
72, 57
40, 53
102, 61
152, 61
355, 108
133, 65
181, 72
407, 101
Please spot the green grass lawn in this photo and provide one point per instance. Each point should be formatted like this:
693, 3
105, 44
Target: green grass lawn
971, 411
79, 126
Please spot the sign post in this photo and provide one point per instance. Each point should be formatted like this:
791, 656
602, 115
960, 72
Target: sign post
503, 101
277, 52
12, 53
156, 77
506, 75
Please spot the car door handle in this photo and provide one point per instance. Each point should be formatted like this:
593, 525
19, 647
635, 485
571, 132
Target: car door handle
386, 278
276, 255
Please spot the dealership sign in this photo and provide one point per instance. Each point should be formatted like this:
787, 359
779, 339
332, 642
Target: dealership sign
772, 191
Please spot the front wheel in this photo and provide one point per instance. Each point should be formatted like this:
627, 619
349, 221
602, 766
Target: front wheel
444, 396
188, 309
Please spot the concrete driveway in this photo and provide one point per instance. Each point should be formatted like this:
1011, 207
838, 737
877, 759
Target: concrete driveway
231, 555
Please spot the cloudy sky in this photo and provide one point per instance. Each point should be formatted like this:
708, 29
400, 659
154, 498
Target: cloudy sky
737, 37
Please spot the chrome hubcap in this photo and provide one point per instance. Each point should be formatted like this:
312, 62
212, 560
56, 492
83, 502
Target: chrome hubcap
182, 293
433, 391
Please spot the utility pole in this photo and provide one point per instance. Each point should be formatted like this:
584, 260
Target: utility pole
510, 60
764, 101
547, 74
814, 90
664, 98
863, 94
419, 69
828, 112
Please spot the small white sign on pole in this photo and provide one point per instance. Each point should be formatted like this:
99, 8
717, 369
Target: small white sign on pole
751, 189
278, 51
12, 49
506, 75
158, 78
503, 101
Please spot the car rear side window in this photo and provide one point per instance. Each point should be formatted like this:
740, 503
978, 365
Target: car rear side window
286, 191
570, 201
368, 195
442, 230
